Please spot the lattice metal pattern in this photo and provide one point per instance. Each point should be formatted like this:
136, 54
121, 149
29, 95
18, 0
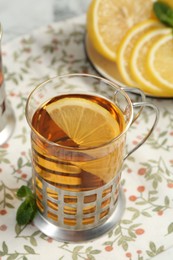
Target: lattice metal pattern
76, 210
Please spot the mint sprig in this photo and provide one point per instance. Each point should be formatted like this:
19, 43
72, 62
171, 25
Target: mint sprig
28, 207
164, 13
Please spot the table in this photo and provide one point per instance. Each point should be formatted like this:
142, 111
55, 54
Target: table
146, 228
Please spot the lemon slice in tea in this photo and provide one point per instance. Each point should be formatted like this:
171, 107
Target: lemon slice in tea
87, 123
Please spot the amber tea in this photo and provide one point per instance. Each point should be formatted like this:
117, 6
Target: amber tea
83, 170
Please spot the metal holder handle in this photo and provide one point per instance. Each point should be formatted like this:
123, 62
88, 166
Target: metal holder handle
142, 96
142, 105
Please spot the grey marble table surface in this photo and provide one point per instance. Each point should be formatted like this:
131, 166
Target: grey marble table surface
18, 17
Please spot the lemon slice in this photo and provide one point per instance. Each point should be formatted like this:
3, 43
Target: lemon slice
85, 122
138, 63
108, 21
106, 167
126, 46
160, 61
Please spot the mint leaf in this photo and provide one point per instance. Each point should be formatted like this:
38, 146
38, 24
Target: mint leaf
25, 213
24, 191
28, 207
164, 13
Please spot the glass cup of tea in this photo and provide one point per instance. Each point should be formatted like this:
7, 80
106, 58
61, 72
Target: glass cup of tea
7, 119
78, 135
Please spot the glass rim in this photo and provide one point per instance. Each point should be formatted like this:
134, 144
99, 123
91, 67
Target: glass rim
106, 81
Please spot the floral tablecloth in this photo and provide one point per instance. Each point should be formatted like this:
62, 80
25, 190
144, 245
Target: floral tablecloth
146, 228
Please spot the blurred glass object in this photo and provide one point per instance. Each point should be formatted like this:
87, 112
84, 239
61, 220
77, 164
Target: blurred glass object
7, 120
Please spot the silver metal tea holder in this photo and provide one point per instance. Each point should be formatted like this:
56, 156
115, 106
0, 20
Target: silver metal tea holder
87, 226
106, 203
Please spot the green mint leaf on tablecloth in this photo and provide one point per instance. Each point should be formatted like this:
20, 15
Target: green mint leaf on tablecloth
28, 207
164, 13
24, 191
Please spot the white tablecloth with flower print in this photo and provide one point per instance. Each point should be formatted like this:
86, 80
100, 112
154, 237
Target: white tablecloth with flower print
146, 228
